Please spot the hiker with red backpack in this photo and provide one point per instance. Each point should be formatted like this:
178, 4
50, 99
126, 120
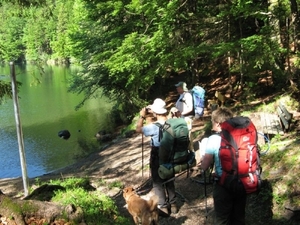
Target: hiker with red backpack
228, 208
237, 171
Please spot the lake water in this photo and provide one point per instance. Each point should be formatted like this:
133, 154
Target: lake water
45, 109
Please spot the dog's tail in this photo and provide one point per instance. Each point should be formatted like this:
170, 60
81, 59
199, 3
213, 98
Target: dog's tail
152, 202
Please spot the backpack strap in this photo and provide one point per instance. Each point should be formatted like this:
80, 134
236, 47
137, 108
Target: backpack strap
160, 126
182, 99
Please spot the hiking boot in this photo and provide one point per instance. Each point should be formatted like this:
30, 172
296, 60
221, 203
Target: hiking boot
163, 211
174, 208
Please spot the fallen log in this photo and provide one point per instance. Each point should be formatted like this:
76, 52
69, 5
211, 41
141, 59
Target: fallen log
24, 212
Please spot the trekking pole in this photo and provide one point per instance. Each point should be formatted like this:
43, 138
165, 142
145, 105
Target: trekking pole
142, 155
173, 178
205, 195
138, 189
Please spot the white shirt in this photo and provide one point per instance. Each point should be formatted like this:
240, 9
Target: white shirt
185, 103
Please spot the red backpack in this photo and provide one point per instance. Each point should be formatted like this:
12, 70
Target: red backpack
239, 155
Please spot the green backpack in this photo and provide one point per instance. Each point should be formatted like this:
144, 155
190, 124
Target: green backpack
174, 151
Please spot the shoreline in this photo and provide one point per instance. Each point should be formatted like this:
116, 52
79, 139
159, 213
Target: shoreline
85, 167
109, 162
102, 147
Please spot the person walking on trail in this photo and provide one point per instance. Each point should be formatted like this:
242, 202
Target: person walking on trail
229, 207
184, 104
165, 192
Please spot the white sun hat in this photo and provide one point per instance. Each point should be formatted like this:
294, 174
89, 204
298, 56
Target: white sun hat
158, 106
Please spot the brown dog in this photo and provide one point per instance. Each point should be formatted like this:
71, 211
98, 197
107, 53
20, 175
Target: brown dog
143, 211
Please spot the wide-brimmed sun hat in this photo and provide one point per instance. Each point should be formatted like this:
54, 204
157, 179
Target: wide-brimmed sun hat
183, 85
158, 106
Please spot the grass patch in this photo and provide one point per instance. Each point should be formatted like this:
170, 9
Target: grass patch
117, 184
281, 165
98, 209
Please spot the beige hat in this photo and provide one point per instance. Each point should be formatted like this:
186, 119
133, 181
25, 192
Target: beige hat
183, 85
159, 106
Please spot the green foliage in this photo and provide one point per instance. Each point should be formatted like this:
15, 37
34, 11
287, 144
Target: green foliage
93, 206
5, 91
72, 183
102, 181
279, 199
10, 204
97, 207
38, 32
15, 207
61, 44
127, 48
11, 46
146, 39
117, 184
37, 181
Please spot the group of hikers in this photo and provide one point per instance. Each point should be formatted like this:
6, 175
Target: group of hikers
167, 151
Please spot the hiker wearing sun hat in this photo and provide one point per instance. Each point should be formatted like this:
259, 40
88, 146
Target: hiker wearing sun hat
184, 104
158, 108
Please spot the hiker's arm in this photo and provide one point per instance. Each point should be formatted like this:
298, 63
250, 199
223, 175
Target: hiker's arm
207, 161
140, 122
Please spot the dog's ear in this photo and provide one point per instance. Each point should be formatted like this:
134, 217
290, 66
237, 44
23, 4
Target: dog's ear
128, 189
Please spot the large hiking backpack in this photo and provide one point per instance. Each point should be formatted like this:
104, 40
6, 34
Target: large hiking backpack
239, 155
198, 94
174, 154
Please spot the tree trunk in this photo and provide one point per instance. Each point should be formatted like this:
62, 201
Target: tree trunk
296, 23
241, 55
24, 212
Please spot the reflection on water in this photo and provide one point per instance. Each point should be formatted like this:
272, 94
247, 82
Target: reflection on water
45, 109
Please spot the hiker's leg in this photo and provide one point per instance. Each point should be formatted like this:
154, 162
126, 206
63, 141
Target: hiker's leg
158, 187
239, 208
222, 205
170, 188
